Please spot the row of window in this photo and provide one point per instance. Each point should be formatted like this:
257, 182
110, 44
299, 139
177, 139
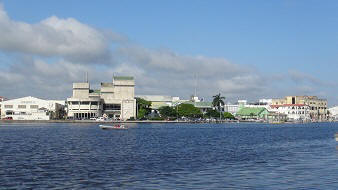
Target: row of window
83, 109
300, 112
317, 108
22, 106
320, 103
116, 107
83, 103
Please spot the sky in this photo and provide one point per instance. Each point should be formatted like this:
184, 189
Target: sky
241, 49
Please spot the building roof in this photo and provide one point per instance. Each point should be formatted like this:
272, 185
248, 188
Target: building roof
156, 98
123, 78
200, 104
249, 111
157, 105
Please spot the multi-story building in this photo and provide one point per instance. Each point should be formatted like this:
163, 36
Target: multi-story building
31, 108
114, 100
317, 107
294, 112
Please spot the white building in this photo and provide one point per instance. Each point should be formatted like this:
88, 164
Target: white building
231, 108
334, 112
265, 101
30, 108
295, 112
114, 100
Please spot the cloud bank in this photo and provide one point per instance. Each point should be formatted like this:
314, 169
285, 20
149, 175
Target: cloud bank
54, 53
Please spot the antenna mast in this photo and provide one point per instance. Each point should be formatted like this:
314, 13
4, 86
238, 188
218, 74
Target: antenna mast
195, 85
86, 76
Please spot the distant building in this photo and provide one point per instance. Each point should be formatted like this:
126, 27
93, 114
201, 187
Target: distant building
157, 101
317, 107
265, 101
247, 113
31, 108
333, 113
203, 106
231, 108
114, 100
295, 112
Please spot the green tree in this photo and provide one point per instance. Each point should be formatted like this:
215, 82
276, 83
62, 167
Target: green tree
218, 101
189, 110
143, 108
228, 115
212, 114
167, 112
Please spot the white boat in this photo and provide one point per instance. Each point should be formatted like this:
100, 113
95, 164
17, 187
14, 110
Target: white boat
116, 126
336, 136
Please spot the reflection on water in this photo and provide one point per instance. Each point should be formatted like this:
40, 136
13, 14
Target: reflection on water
169, 156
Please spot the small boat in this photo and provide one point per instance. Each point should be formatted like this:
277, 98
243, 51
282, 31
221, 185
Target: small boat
117, 126
336, 136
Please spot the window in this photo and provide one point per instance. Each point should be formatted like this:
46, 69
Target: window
33, 106
84, 103
112, 106
94, 103
8, 106
75, 103
22, 106
9, 113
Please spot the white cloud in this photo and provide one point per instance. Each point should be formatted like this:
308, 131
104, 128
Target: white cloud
54, 36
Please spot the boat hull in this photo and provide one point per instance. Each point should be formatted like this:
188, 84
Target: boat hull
108, 127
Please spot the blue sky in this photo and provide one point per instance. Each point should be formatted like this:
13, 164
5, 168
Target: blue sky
290, 45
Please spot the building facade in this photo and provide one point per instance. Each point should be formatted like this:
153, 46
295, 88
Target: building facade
114, 100
317, 107
333, 113
294, 112
31, 108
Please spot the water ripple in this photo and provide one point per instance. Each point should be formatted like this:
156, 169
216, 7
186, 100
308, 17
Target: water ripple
169, 156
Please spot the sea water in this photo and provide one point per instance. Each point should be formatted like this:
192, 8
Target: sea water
169, 156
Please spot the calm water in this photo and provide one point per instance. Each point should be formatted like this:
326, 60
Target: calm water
169, 156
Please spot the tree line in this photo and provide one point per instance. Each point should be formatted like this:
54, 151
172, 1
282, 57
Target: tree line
183, 110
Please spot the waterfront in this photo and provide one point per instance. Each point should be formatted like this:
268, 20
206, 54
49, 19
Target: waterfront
169, 156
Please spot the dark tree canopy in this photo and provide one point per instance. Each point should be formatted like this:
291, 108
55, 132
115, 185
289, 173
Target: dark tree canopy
167, 112
143, 108
189, 110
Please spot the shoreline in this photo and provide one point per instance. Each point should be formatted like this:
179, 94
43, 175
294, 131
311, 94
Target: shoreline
143, 121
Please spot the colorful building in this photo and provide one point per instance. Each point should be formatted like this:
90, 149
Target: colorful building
255, 113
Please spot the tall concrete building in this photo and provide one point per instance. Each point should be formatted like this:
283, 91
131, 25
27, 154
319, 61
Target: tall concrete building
114, 100
317, 107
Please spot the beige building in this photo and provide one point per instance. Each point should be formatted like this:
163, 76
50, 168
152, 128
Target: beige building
114, 100
317, 107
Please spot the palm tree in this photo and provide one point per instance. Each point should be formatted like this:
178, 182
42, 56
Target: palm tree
218, 101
